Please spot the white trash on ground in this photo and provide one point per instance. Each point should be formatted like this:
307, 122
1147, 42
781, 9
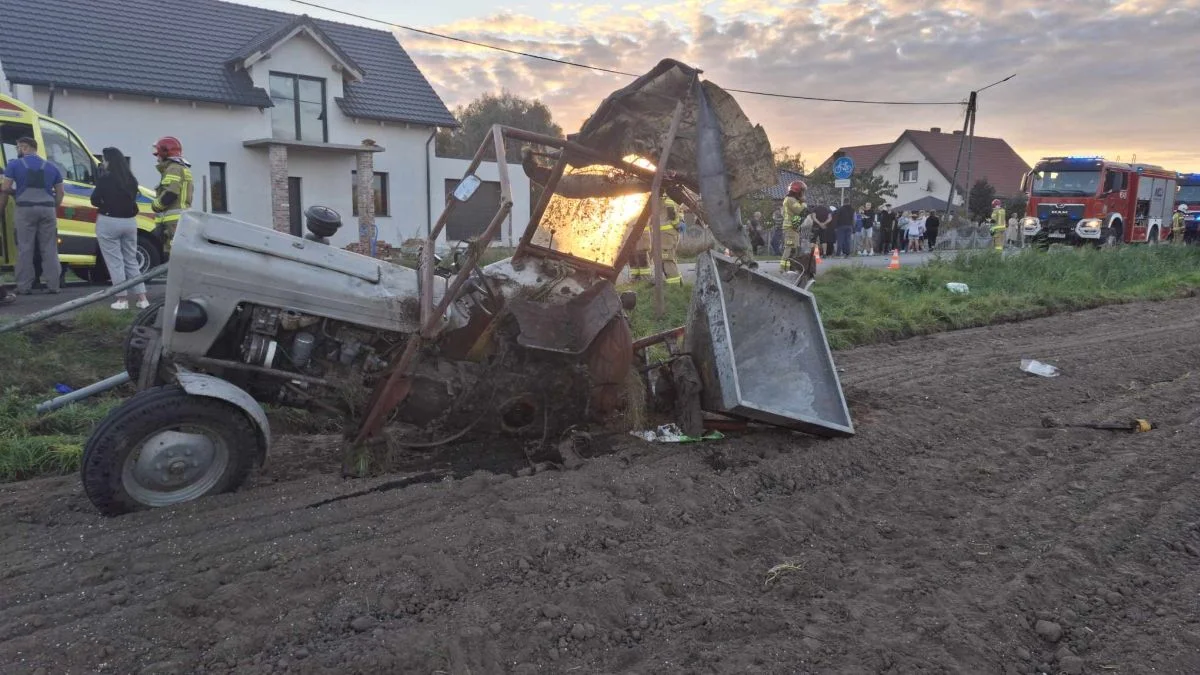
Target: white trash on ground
1038, 368
956, 287
671, 433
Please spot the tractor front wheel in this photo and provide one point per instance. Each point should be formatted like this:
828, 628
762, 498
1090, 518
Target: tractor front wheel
165, 447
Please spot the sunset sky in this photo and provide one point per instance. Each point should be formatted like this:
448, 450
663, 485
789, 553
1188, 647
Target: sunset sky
1116, 77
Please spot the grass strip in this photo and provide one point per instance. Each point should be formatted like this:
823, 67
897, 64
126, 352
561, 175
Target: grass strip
858, 306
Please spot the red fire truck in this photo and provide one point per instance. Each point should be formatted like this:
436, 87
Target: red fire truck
1189, 195
1080, 200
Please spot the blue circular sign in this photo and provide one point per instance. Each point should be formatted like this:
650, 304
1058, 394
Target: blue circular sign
843, 168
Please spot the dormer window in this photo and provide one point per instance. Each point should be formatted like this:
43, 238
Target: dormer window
299, 113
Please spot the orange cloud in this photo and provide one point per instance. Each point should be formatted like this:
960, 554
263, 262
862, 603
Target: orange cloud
1069, 96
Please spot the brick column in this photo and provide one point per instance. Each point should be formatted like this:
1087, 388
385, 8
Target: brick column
365, 197
280, 207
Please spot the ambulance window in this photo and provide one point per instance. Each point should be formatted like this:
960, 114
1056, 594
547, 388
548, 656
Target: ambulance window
9, 134
68, 153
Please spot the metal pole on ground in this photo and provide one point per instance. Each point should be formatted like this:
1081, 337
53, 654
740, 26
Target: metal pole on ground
80, 394
84, 301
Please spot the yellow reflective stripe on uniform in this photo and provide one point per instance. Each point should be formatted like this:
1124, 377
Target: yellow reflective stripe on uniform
666, 227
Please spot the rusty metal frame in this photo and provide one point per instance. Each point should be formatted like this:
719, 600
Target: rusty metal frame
393, 390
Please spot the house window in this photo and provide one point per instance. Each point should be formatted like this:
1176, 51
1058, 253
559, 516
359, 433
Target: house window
216, 179
64, 150
299, 111
908, 172
380, 190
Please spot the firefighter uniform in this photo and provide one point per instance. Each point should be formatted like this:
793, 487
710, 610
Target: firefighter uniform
794, 211
999, 227
639, 265
172, 197
672, 215
1177, 226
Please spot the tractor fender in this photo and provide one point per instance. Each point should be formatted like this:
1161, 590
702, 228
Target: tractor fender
198, 384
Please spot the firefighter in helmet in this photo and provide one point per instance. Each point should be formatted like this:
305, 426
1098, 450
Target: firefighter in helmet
794, 211
173, 195
1177, 223
999, 224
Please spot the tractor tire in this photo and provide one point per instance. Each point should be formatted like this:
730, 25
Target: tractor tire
609, 359
134, 353
165, 447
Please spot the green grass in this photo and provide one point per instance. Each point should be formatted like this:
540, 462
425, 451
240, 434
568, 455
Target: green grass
861, 306
75, 351
858, 306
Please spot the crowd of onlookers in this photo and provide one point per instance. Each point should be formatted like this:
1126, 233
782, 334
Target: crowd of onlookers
845, 231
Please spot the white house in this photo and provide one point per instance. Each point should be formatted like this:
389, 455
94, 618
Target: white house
276, 112
921, 166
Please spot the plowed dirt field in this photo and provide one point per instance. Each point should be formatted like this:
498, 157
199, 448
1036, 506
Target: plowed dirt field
954, 534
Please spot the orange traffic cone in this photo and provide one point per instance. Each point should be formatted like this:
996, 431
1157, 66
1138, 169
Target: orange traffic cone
895, 263
817, 255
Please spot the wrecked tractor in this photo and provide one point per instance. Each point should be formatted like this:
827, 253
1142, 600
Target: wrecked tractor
528, 346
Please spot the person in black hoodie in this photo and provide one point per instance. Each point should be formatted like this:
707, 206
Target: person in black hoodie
887, 229
932, 225
115, 197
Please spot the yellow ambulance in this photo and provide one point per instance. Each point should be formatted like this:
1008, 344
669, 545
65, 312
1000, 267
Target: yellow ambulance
77, 247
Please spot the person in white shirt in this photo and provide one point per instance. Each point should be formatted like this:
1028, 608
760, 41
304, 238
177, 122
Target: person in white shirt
916, 232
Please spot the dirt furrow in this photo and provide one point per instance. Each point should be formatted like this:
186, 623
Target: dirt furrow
935, 540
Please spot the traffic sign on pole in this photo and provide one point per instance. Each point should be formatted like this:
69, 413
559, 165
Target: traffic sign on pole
843, 168
841, 183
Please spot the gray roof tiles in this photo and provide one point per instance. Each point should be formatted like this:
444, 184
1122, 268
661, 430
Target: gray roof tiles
112, 46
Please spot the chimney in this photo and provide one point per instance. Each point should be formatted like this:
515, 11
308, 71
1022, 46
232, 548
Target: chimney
958, 132
936, 130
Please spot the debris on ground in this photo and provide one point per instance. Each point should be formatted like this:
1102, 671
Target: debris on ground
1038, 368
671, 433
1136, 426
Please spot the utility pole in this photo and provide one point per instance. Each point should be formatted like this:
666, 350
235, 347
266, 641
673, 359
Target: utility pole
968, 141
968, 129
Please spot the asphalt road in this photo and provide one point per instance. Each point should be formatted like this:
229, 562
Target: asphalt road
28, 304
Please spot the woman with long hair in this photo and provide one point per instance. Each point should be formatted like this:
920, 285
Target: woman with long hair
115, 197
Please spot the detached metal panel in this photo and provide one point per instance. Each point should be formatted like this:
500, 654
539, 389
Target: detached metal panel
761, 350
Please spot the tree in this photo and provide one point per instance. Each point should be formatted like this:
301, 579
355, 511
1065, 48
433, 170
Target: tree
980, 201
784, 159
1016, 206
478, 117
865, 187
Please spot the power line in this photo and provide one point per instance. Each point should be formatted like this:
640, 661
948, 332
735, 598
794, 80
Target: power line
842, 100
430, 33
574, 64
